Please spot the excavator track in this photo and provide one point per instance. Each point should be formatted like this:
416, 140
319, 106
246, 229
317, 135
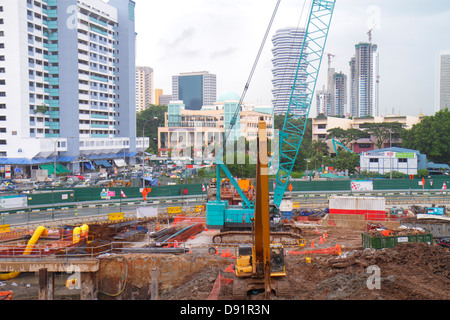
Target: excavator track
283, 237
245, 289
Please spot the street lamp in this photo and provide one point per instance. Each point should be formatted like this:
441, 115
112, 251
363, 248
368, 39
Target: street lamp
55, 153
390, 151
143, 147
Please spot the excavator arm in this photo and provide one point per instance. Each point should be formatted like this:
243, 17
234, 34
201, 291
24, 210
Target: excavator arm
262, 218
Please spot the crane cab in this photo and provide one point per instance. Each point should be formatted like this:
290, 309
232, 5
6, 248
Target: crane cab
246, 256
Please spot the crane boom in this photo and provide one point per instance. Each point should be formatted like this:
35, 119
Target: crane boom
335, 142
302, 93
220, 214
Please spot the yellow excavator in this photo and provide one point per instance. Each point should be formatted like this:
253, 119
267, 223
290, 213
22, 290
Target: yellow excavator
260, 268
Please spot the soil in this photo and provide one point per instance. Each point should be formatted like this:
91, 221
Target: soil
409, 271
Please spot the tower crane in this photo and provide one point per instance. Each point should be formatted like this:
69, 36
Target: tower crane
330, 58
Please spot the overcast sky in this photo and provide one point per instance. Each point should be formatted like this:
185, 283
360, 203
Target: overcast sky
223, 37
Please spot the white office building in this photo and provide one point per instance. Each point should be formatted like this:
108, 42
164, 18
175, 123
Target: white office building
443, 81
67, 83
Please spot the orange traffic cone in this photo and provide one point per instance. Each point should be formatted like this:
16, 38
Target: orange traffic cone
321, 240
326, 235
190, 251
317, 231
312, 244
338, 249
217, 250
230, 269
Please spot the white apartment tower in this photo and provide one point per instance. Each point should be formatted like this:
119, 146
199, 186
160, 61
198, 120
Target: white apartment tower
287, 45
443, 81
144, 88
364, 81
67, 82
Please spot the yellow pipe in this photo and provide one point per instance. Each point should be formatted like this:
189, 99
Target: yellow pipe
84, 230
76, 235
40, 231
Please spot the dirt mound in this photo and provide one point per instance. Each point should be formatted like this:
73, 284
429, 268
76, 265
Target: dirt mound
408, 271
199, 285
411, 271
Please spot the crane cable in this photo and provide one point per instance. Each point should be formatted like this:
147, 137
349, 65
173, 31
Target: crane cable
234, 119
283, 78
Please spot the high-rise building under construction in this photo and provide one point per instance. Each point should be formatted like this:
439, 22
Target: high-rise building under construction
364, 81
443, 81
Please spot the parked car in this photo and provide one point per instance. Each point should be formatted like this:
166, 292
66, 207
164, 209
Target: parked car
83, 184
444, 242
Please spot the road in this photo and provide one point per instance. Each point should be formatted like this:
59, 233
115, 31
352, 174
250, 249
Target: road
91, 210
100, 209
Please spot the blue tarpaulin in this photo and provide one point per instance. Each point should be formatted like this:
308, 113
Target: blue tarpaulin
89, 165
104, 163
153, 182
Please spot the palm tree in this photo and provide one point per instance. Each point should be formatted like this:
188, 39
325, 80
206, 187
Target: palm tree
318, 148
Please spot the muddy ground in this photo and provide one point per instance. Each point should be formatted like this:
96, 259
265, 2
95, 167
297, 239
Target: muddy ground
411, 271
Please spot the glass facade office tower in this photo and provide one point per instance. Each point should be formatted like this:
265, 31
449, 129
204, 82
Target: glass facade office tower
195, 89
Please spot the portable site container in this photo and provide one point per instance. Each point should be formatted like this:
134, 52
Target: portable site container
390, 242
286, 207
373, 208
436, 211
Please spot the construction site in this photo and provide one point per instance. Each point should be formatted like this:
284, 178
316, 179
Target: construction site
243, 242
176, 258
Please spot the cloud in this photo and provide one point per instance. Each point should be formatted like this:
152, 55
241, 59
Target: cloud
225, 53
180, 47
185, 35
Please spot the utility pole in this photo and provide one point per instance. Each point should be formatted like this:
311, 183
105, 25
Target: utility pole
143, 148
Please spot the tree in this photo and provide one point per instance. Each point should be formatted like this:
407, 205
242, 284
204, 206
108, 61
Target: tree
381, 133
318, 148
151, 127
41, 109
245, 170
431, 137
423, 173
305, 148
346, 137
201, 173
346, 160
